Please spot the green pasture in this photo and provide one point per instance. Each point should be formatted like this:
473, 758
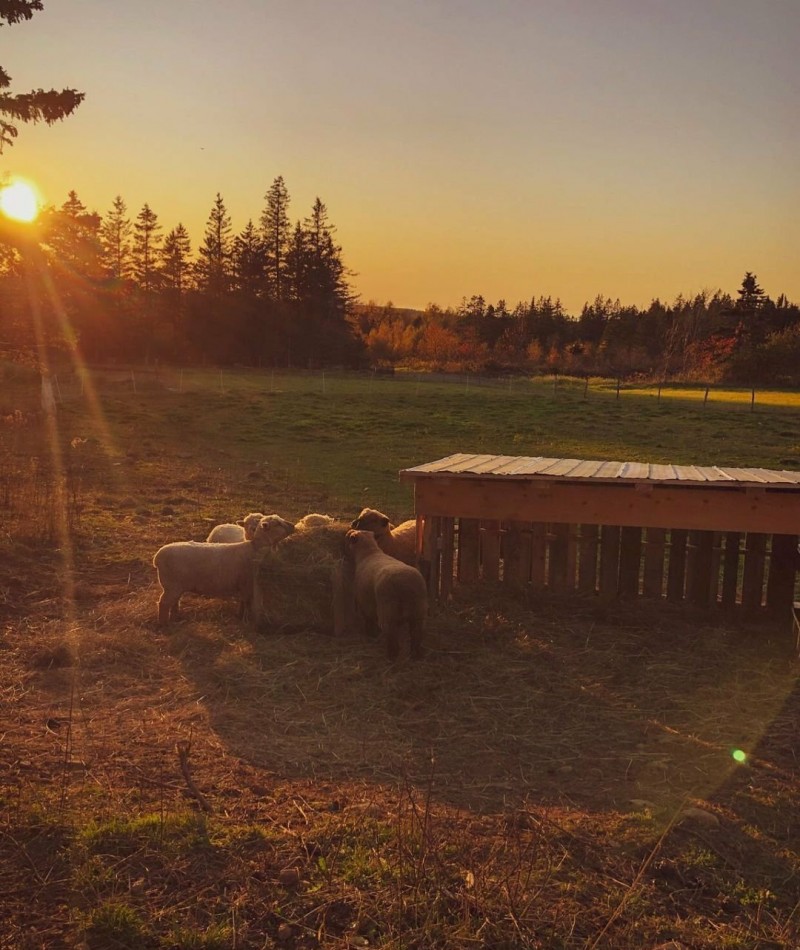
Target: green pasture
345, 437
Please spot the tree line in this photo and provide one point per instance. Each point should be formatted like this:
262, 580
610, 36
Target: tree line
276, 293
279, 294
746, 338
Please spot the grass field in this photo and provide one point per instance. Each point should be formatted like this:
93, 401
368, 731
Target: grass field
553, 774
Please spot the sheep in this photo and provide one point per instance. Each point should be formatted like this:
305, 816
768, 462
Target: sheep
218, 569
400, 542
388, 594
240, 531
313, 521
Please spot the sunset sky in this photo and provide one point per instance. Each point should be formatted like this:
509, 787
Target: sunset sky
629, 148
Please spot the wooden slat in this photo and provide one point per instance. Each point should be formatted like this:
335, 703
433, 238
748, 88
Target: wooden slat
531, 466
609, 560
699, 553
447, 557
676, 569
730, 568
489, 465
753, 577
517, 554
663, 472
561, 467
440, 464
521, 465
559, 561
712, 474
688, 473
538, 555
468, 463
609, 470
587, 558
783, 564
745, 475
490, 550
431, 553
587, 469
636, 470
630, 553
716, 561
469, 557
654, 549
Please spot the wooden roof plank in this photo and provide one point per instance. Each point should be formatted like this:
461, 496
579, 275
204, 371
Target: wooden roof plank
561, 467
511, 467
440, 464
636, 470
468, 464
688, 473
662, 472
609, 470
530, 466
586, 469
491, 465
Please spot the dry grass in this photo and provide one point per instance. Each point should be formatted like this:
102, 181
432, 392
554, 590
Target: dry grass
529, 784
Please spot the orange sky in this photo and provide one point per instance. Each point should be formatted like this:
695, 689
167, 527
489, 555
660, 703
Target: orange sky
630, 148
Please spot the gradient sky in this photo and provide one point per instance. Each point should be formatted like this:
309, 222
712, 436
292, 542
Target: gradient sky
629, 148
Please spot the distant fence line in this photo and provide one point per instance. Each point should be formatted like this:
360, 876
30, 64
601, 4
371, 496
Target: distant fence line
139, 380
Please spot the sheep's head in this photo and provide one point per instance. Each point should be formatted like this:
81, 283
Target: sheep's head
271, 529
250, 523
359, 544
372, 520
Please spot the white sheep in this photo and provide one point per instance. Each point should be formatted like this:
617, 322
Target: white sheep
400, 542
214, 570
313, 521
240, 531
387, 594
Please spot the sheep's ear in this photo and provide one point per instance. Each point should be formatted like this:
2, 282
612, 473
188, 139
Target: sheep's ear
240, 522
354, 522
385, 522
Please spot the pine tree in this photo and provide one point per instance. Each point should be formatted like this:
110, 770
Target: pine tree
146, 246
37, 105
248, 258
176, 265
214, 256
115, 238
275, 230
73, 236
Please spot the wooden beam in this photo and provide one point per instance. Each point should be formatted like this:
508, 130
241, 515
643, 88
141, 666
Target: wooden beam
709, 507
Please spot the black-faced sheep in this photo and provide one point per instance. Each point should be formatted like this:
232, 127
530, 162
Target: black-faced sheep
400, 542
239, 531
388, 594
214, 570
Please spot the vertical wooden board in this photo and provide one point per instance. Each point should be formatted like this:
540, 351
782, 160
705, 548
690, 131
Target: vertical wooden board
587, 558
447, 557
782, 569
654, 550
431, 552
538, 554
572, 556
468, 550
676, 570
609, 560
559, 561
630, 554
516, 554
699, 551
730, 568
716, 561
490, 550
753, 578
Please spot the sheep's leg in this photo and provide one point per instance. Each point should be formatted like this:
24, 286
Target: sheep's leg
168, 607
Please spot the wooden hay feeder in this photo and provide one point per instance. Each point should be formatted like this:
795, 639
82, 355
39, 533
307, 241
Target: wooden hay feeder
702, 535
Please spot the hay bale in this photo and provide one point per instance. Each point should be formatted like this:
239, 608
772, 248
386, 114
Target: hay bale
294, 580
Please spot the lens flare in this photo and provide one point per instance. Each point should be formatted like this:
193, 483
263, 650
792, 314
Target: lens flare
739, 756
19, 201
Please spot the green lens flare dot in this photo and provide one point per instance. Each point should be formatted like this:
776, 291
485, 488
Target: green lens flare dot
739, 756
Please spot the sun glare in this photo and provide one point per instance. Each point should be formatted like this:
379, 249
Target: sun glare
19, 201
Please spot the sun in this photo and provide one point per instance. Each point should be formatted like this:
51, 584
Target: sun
19, 201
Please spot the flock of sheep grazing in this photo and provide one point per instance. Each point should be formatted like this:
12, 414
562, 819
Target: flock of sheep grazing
377, 586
